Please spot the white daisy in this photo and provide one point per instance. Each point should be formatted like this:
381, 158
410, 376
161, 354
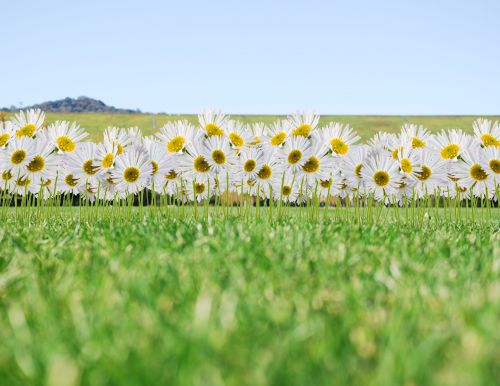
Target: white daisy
82, 164
132, 170
339, 138
293, 154
19, 152
303, 124
487, 133
417, 135
64, 136
218, 153
213, 123
175, 136
239, 134
45, 162
433, 174
277, 133
27, 123
6, 132
450, 144
381, 176
472, 176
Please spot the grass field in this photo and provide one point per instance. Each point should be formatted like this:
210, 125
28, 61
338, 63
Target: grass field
235, 302
366, 126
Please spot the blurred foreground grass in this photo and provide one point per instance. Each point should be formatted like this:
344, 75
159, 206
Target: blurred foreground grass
234, 302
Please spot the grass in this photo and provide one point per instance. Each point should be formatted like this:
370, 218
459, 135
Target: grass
366, 126
245, 302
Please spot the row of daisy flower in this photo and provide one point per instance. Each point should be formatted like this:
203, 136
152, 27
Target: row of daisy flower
290, 160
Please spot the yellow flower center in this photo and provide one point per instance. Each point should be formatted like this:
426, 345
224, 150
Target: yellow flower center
311, 165
425, 174
450, 151
119, 148
286, 190
47, 182
395, 152
489, 140
107, 160
302, 130
236, 139
89, 168
200, 165
172, 175
406, 165
6, 175
176, 144
381, 178
265, 172
219, 157
26, 131
339, 146
37, 164
4, 138
417, 143
70, 181
477, 173
154, 166
326, 183
495, 165
131, 174
212, 129
357, 170
249, 165
65, 144
278, 138
294, 156
18, 156
199, 187
23, 182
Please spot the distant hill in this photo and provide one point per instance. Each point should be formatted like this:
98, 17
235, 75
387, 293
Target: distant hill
81, 104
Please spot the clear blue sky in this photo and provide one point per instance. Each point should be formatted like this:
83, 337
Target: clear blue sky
338, 57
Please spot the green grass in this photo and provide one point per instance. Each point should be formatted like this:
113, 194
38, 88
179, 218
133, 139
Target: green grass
236, 302
366, 126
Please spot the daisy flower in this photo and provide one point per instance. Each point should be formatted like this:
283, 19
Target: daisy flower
27, 123
450, 144
160, 162
487, 133
118, 138
490, 162
199, 190
19, 152
418, 136
82, 164
340, 138
293, 154
248, 163
6, 132
258, 130
267, 170
213, 123
218, 153
239, 135
64, 136
381, 176
277, 133
45, 162
472, 176
352, 164
433, 174
303, 124
286, 188
132, 170
105, 156
408, 159
175, 136
319, 165
193, 164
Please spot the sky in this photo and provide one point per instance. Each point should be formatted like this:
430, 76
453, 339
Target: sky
256, 57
